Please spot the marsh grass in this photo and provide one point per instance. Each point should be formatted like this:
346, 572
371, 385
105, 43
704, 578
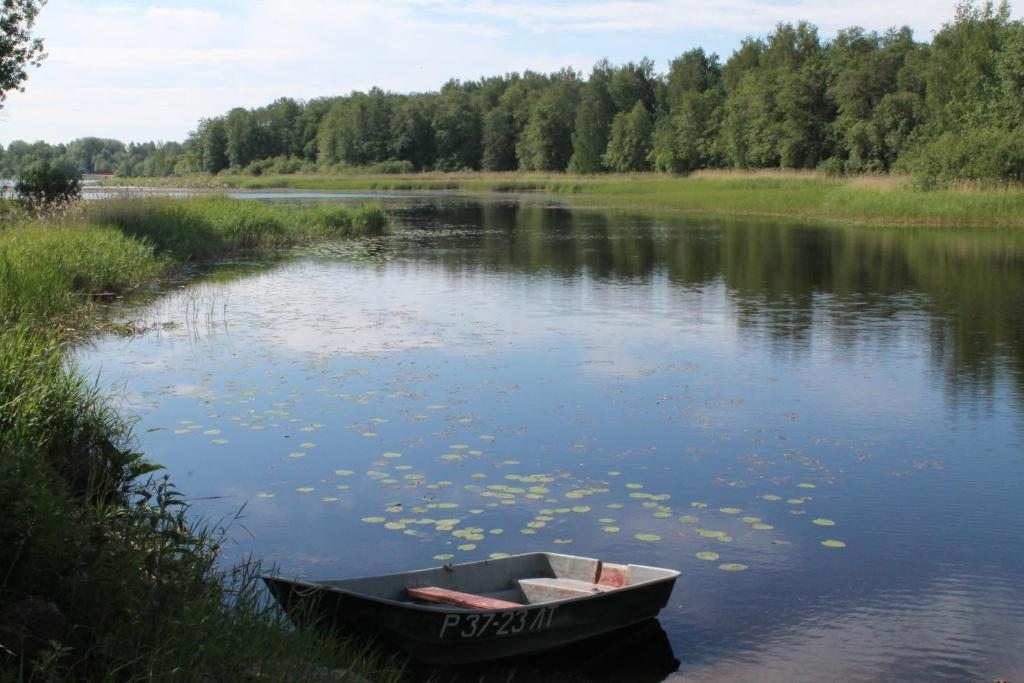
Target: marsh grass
209, 227
135, 582
802, 195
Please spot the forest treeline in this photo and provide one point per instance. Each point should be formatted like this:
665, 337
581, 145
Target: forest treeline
863, 102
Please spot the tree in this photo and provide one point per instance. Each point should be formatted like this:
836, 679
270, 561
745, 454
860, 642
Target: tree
546, 142
412, 136
499, 140
17, 47
630, 143
458, 130
685, 138
593, 121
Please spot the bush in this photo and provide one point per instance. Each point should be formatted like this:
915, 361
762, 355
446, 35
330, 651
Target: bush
391, 166
45, 186
987, 155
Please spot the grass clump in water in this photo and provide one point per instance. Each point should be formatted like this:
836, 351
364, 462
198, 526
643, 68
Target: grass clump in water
208, 227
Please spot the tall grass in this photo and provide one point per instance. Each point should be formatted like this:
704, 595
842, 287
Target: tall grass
48, 271
131, 585
209, 227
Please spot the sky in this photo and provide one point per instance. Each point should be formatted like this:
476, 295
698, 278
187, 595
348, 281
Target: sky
140, 70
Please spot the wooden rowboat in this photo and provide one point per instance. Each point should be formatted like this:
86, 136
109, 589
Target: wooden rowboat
478, 611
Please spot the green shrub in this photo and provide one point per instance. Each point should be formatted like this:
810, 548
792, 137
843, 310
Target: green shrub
990, 156
44, 186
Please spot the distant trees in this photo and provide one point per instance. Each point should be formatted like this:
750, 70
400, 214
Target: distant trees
863, 102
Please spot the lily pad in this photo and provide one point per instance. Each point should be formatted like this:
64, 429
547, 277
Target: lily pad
805, 485
610, 529
707, 555
265, 495
832, 543
771, 497
730, 511
821, 521
373, 520
761, 526
444, 556
498, 556
305, 489
689, 519
650, 538
732, 567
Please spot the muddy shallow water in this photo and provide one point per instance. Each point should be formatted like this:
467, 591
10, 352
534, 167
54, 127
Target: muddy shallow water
821, 427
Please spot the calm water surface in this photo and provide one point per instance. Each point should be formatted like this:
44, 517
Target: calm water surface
834, 414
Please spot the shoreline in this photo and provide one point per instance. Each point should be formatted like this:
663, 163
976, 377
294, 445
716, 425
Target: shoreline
802, 196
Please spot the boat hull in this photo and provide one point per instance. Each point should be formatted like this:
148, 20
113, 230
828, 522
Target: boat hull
444, 635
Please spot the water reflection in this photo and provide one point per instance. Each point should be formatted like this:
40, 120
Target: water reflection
788, 282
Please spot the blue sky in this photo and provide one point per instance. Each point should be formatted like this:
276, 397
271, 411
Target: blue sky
149, 70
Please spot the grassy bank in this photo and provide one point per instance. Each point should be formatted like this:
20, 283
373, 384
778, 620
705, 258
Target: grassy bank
882, 200
103, 573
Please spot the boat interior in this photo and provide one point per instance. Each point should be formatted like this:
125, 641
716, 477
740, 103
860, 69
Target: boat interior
534, 578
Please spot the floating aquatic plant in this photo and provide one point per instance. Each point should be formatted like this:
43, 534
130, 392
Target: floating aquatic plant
732, 567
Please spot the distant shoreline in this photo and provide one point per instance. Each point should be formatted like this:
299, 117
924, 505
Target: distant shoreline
810, 196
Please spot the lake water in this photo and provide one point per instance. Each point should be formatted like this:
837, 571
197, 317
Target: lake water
833, 417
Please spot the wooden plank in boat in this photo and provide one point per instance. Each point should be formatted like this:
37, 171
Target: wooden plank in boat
450, 597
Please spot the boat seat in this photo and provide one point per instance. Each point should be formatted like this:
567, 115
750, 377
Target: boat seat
450, 597
614, 575
546, 590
